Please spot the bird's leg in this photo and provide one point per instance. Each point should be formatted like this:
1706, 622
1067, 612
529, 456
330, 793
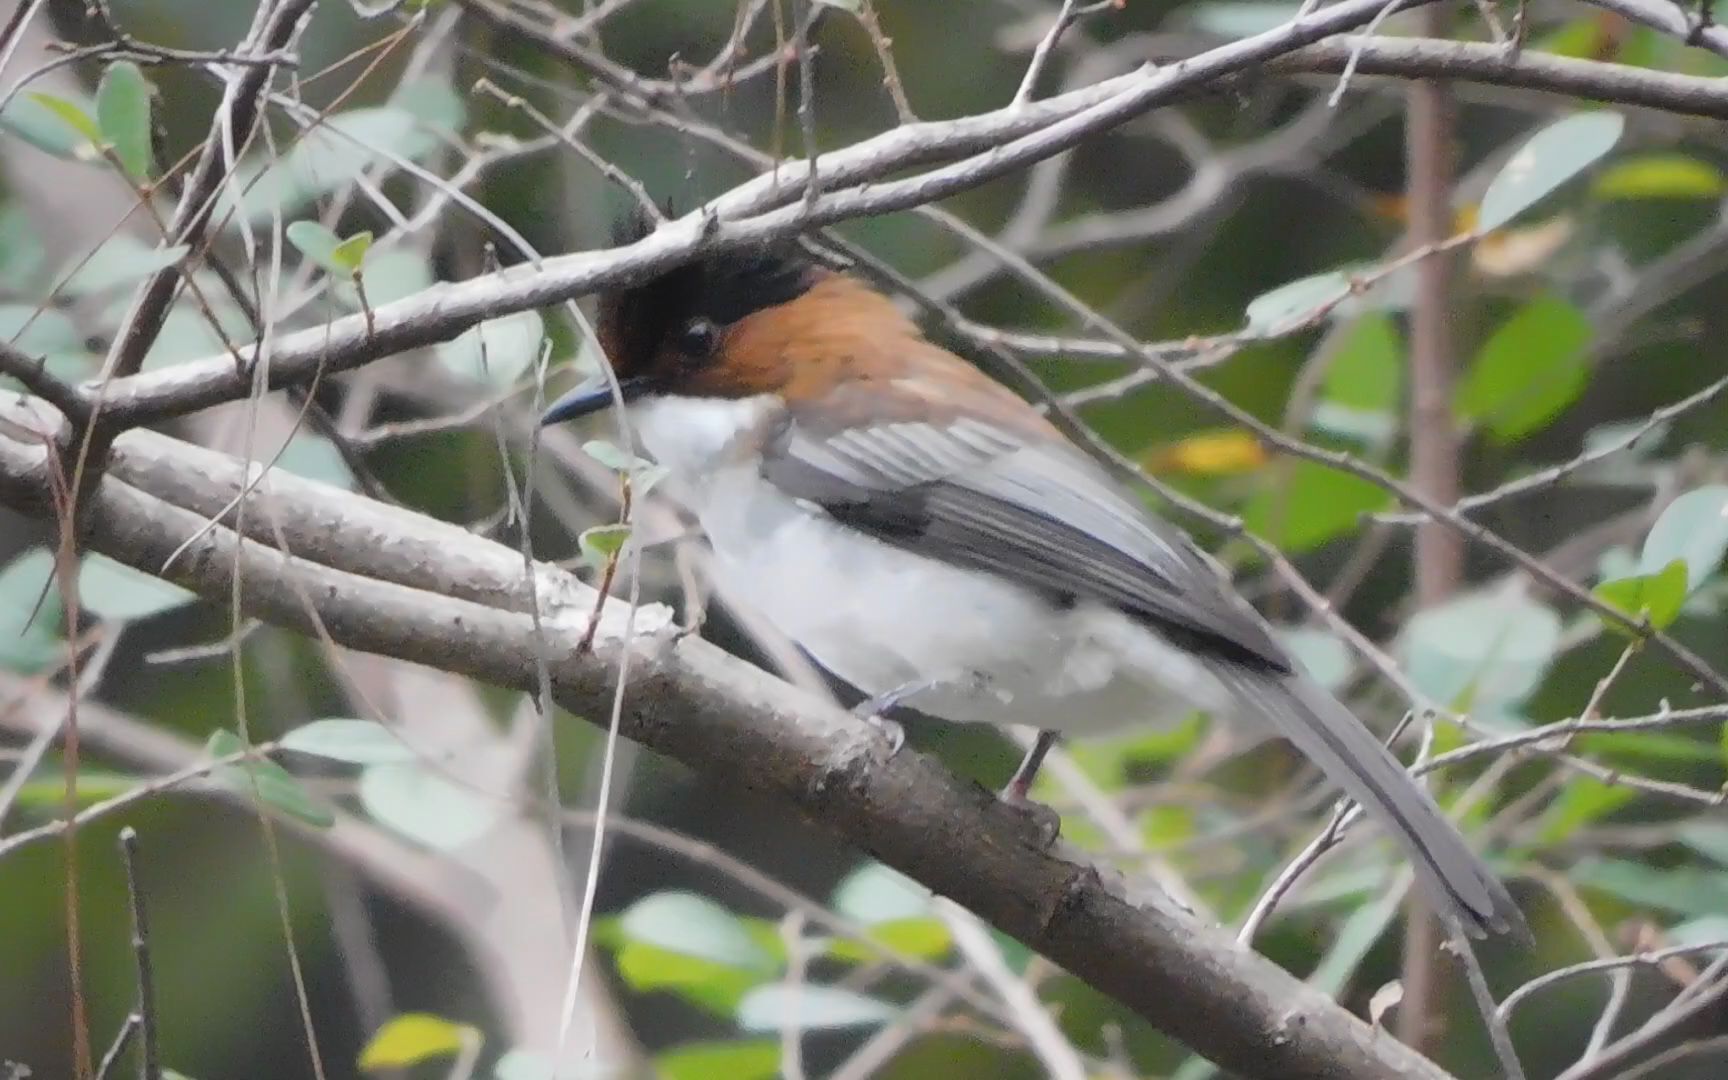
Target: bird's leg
1046, 822
1019, 787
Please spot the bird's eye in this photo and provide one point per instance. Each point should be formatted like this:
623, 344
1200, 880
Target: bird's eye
698, 339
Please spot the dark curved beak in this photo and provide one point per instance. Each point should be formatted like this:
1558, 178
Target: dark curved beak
591, 395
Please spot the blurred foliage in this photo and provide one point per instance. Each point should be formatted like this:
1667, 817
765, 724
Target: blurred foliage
1560, 355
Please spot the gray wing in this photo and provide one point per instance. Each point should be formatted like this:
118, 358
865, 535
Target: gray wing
1039, 513
1033, 510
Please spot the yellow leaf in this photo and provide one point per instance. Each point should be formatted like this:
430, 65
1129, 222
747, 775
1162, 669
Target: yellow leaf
1510, 252
412, 1038
1210, 453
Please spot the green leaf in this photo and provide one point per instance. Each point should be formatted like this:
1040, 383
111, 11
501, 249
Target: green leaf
1684, 890
601, 543
269, 782
1660, 176
327, 250
496, 351
1321, 653
327, 158
1481, 650
744, 1059
73, 115
925, 937
1316, 503
643, 474
874, 893
425, 806
351, 253
115, 591
29, 645
810, 1008
41, 127
1553, 156
1584, 800
123, 114
1293, 303
1657, 597
315, 240
692, 925
1364, 387
391, 275
1707, 838
412, 1038
121, 260
358, 742
1530, 369
716, 987
1694, 527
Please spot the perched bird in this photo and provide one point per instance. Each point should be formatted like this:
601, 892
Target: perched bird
921, 531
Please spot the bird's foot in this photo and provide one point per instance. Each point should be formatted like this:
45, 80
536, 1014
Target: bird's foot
873, 712
1043, 825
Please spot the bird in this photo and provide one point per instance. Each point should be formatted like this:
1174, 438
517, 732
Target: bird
929, 537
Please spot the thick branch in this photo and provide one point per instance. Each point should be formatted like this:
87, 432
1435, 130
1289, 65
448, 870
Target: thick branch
693, 702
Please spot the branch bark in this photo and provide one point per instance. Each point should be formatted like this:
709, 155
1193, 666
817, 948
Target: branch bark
386, 581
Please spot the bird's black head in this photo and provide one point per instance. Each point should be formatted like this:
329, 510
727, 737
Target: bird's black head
667, 334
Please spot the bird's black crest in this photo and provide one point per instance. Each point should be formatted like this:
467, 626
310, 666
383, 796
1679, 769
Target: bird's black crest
722, 288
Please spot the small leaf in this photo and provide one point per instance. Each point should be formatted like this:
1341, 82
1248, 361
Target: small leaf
810, 1008
1242, 18
317, 242
692, 925
520, 1064
1209, 453
874, 893
42, 127
1483, 650
1657, 597
1707, 838
926, 938
1685, 890
424, 806
1315, 504
358, 742
602, 543
1531, 368
1294, 303
123, 114
1553, 156
120, 261
269, 782
497, 350
1660, 176
1364, 385
1694, 527
412, 1038
715, 987
745, 1059
643, 474
29, 644
115, 591
1584, 800
71, 114
351, 253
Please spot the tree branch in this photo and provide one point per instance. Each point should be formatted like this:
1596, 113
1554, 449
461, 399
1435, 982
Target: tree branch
693, 702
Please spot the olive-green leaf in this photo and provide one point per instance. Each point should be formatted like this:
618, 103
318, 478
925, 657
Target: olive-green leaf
123, 114
1656, 597
271, 783
1532, 367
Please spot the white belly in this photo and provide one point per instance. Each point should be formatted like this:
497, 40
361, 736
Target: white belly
881, 618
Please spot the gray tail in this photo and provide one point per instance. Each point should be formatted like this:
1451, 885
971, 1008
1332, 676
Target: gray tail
1349, 754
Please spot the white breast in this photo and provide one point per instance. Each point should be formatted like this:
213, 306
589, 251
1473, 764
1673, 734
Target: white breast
882, 618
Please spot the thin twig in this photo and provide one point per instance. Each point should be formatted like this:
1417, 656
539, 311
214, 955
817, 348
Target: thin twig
149, 1051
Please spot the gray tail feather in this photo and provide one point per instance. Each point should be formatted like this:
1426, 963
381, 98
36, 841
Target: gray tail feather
1349, 754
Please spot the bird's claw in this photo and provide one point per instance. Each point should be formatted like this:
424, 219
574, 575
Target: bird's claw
890, 730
